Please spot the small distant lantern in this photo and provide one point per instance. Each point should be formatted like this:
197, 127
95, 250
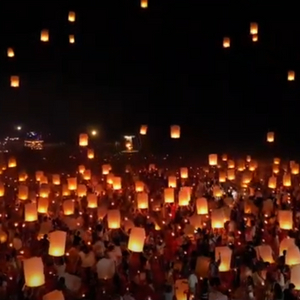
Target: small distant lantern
92, 201
169, 195
254, 38
184, 173
56, 179
106, 169
45, 35
183, 198
139, 186
113, 219
10, 52
43, 204
72, 39
202, 206
72, 183
143, 130
291, 76
144, 3
226, 42
83, 140
270, 137
68, 207
213, 159
272, 184
117, 183
71, 16
30, 212
253, 28
172, 182
175, 132
14, 81
91, 154
142, 200
136, 239
12, 162
23, 192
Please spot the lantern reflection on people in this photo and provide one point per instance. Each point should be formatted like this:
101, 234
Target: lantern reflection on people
142, 200
136, 239
175, 132
225, 254
57, 243
113, 219
34, 272
285, 219
202, 206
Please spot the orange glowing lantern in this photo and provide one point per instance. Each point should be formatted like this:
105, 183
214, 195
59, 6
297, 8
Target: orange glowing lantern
295, 277
117, 183
276, 161
71, 16
68, 207
43, 204
39, 175
54, 295
22, 176
275, 169
90, 154
265, 252
175, 132
213, 159
44, 191
14, 81
254, 38
253, 28
231, 164
231, 174
144, 3
45, 35
113, 219
270, 137
23, 192
172, 182
287, 180
92, 201
295, 169
272, 184
136, 239
81, 190
226, 42
71, 38
143, 130
169, 195
225, 253
34, 272
12, 162
139, 186
57, 244
106, 169
2, 189
87, 175
224, 157
222, 176
183, 198
202, 206
217, 191
83, 140
285, 219
184, 173
291, 76
10, 52
31, 214
65, 190
292, 257
56, 179
217, 218
142, 200
72, 183
81, 169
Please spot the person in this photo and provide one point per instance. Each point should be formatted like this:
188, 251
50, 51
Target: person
193, 283
214, 271
288, 293
250, 288
204, 292
277, 292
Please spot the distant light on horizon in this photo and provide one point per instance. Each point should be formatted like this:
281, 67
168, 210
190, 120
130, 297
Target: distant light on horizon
94, 132
19, 128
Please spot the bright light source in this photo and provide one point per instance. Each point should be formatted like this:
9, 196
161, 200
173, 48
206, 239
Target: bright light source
94, 132
19, 128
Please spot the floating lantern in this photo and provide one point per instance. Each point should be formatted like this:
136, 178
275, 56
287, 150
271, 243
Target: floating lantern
65, 191
217, 219
72, 39
225, 253
3, 236
139, 186
222, 176
114, 219
34, 272
292, 257
169, 195
57, 243
72, 183
83, 140
43, 204
23, 192
175, 132
272, 184
56, 179
44, 191
224, 157
285, 244
253, 165
295, 277
22, 176
265, 253
231, 174
276, 161
291, 76
71, 16
172, 182
181, 288
184, 173
254, 38
2, 189
295, 169
231, 164
143, 130
81, 190
144, 3
285, 219
217, 191
30, 212
287, 180
202, 206
136, 239
117, 183
110, 178
45, 35
10, 52
106, 169
253, 28
54, 295
81, 169
270, 137
92, 201
87, 175
14, 81
90, 154
39, 175
213, 159
12, 162
183, 198
226, 42
142, 200
276, 169
68, 207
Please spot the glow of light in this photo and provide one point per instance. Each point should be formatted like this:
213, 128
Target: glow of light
94, 132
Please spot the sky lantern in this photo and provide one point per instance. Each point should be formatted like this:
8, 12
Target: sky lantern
106, 169
272, 184
136, 239
72, 183
184, 173
54, 295
270, 137
45, 35
90, 154
285, 219
285, 244
22, 176
43, 204
181, 286
10, 52
71, 38
231, 164
202, 206
83, 140
81, 169
34, 272
222, 176
2, 189
276, 161
254, 38
3, 236
144, 3
287, 180
71, 16
81, 190
231, 174
114, 219
23, 192
14, 81
139, 186
110, 178
224, 157
225, 253
87, 175
226, 42
65, 190
217, 191
68, 207
172, 182
253, 28
217, 218
169, 195
292, 257
295, 169
44, 191
175, 131
117, 183
56, 179
39, 175
295, 277
183, 198
213, 159
12, 162
143, 129
92, 200
30, 212
57, 243
291, 75
266, 253
142, 200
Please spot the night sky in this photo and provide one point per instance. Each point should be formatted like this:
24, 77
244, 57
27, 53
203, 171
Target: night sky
160, 66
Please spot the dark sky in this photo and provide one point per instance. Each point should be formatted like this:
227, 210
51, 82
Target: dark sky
158, 66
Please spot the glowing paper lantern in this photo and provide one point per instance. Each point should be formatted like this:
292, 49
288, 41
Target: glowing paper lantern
114, 219
143, 130
144, 3
92, 201
213, 159
202, 206
43, 204
225, 254
14, 81
222, 176
224, 157
81, 190
276, 161
22, 176
10, 52
2, 189
83, 140
285, 244
287, 180
54, 295
285, 219
292, 256
30, 212
72, 183
291, 76
181, 288
231, 164
90, 154
117, 183
87, 175
65, 190
270, 137
217, 218
265, 253
217, 191
44, 191
272, 184
295, 276
34, 272
12, 162
110, 178
71, 16
253, 28
72, 39
254, 38
136, 239
175, 132
276, 169
39, 175
23, 192
139, 186
68, 207
295, 169
226, 42
231, 174
45, 35
172, 182
184, 173
183, 198
106, 169
57, 243
142, 200
169, 195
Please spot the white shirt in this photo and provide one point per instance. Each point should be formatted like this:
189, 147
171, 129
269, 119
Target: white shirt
192, 281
